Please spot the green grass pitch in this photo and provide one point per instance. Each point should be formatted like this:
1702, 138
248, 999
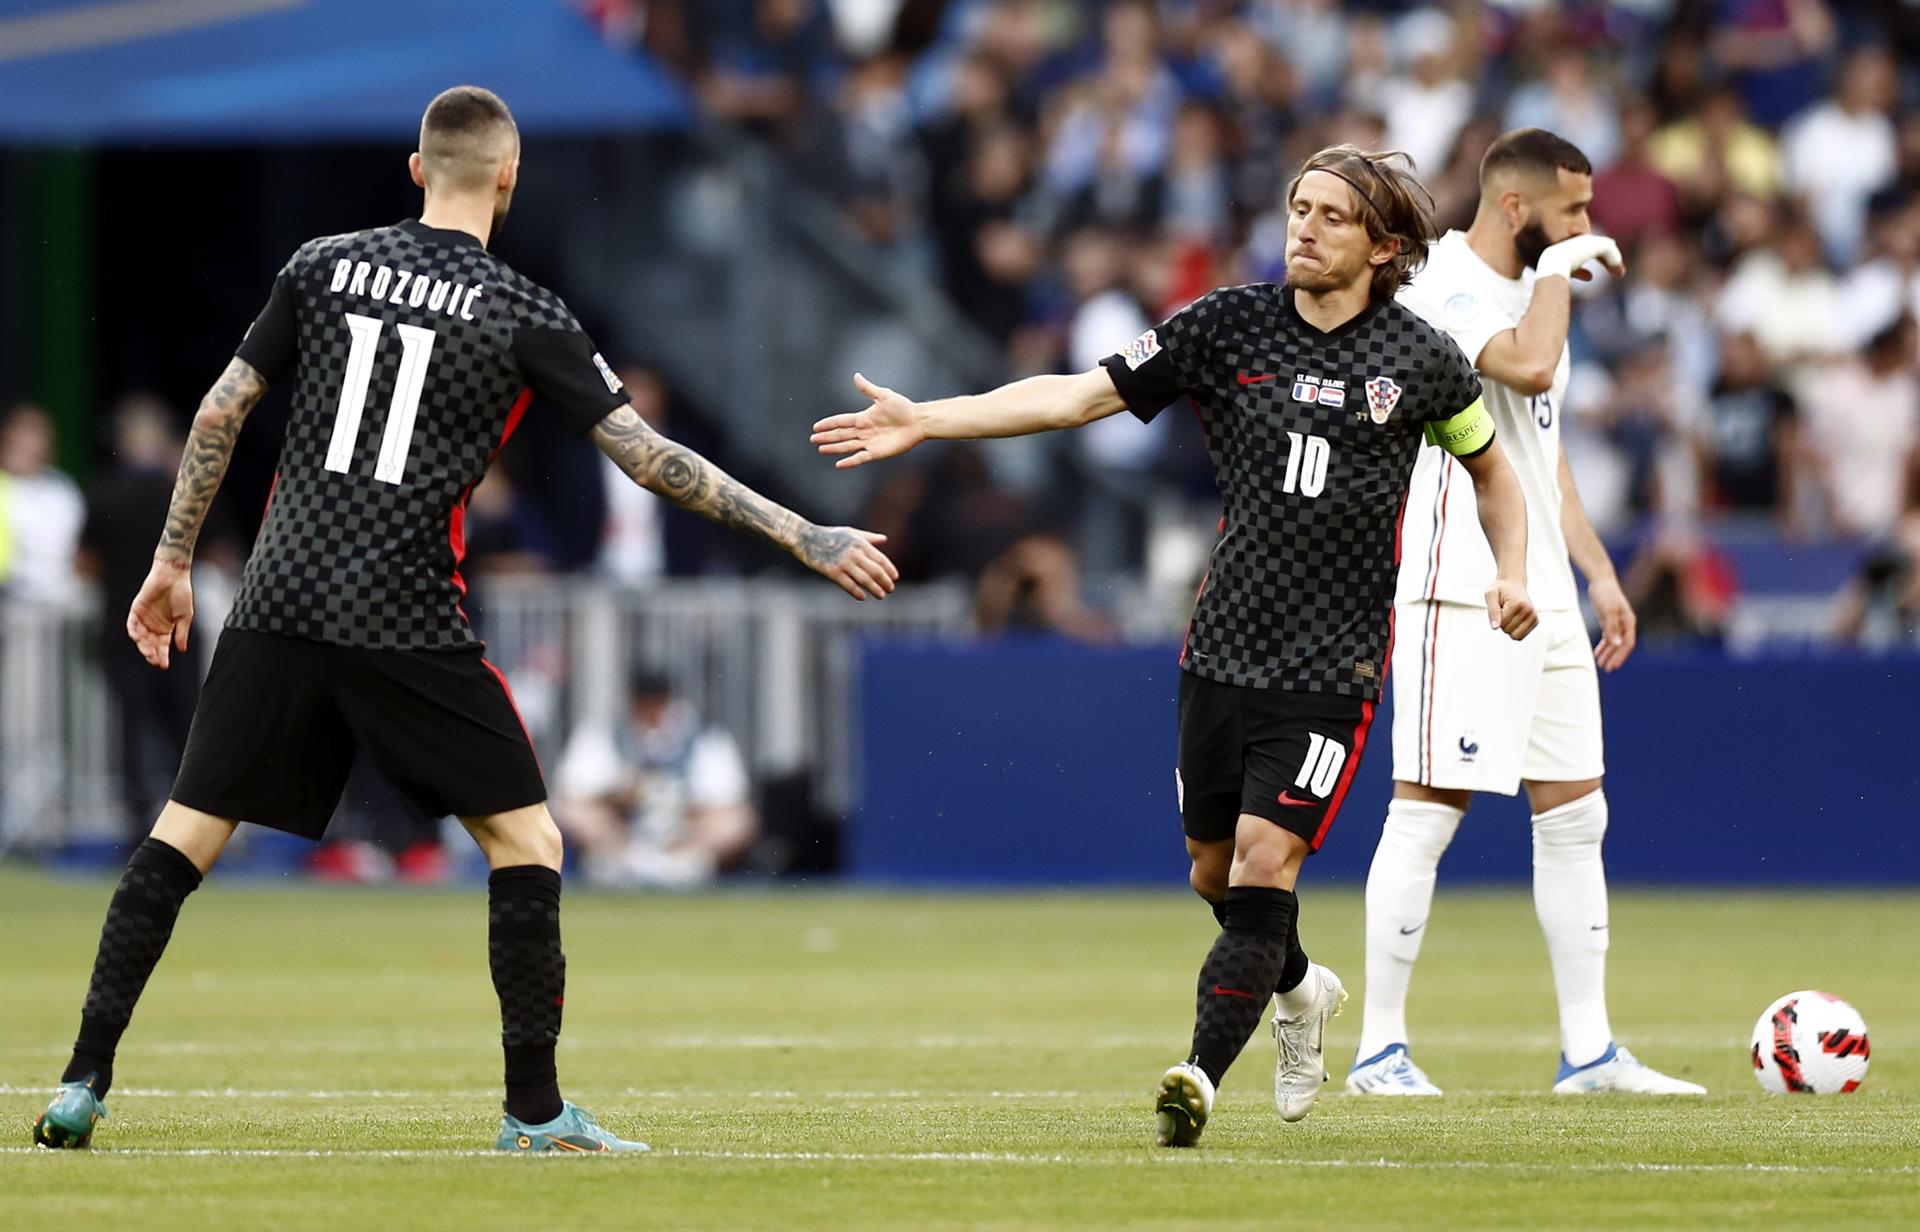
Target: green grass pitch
313, 1058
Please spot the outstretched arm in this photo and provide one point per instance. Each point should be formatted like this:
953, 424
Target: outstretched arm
896, 423
162, 614
1503, 516
842, 554
1619, 628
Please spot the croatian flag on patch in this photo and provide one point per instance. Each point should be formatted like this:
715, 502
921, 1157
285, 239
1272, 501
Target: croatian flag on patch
1141, 349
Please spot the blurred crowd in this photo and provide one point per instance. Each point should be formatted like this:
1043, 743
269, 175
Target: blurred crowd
1069, 172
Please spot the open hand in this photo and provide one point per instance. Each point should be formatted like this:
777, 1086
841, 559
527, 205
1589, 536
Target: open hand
886, 429
1509, 610
849, 557
162, 613
1619, 627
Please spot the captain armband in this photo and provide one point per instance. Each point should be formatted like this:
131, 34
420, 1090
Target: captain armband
1466, 434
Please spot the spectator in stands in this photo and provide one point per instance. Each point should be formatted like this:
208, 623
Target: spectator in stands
657, 797
1570, 100
1774, 50
1682, 588
1650, 424
1841, 151
1260, 90
1886, 282
1750, 442
988, 246
1716, 152
124, 509
766, 61
1783, 293
1313, 37
1426, 104
1108, 154
1863, 423
41, 510
1633, 199
1880, 608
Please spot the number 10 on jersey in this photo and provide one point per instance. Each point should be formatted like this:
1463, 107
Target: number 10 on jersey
416, 346
1306, 464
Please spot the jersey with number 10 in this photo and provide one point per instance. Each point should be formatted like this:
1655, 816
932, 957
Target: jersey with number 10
1312, 435
414, 354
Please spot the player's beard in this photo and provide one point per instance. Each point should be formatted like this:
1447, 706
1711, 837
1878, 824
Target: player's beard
1530, 241
1323, 281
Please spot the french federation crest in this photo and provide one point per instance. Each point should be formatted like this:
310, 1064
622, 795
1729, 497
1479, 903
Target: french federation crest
1383, 394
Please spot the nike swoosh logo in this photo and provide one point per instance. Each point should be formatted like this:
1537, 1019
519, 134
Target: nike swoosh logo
1224, 991
1292, 801
1248, 379
1408, 932
1597, 928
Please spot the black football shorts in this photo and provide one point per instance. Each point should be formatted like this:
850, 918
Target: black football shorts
280, 718
1288, 757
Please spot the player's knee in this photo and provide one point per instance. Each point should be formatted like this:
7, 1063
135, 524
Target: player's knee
1267, 855
1573, 828
546, 843
1208, 881
1419, 831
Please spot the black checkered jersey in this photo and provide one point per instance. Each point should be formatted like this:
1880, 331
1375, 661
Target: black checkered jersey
1313, 437
414, 353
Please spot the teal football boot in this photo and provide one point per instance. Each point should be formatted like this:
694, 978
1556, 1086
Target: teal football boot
69, 1120
573, 1130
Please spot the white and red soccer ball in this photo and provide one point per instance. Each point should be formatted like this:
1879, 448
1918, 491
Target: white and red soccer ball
1810, 1043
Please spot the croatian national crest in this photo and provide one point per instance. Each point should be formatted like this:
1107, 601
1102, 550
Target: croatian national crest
1383, 394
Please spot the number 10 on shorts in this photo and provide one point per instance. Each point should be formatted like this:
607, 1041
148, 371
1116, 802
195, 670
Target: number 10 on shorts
1321, 769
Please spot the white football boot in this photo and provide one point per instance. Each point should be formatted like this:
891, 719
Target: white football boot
1302, 1068
1619, 1070
1389, 1072
1183, 1104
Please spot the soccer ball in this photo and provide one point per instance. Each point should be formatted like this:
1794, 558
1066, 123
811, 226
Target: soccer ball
1810, 1043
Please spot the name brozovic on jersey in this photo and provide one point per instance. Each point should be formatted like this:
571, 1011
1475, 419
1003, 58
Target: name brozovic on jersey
415, 352
1313, 435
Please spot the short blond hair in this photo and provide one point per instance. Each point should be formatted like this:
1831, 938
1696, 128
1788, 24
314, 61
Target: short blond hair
465, 134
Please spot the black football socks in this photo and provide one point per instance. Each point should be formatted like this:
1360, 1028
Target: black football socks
1240, 973
530, 975
1297, 961
139, 922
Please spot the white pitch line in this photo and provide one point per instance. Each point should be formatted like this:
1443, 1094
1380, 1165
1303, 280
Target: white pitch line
1003, 1157
1458, 1042
626, 1093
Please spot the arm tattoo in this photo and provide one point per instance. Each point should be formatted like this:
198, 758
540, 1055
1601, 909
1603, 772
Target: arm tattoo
690, 481
216, 426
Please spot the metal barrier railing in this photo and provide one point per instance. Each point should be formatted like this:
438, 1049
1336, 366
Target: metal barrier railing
770, 661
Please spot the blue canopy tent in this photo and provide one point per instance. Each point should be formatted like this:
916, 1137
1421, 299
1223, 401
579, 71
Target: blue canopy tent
246, 71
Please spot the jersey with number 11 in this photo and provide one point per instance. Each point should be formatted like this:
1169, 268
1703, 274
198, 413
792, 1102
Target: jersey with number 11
414, 354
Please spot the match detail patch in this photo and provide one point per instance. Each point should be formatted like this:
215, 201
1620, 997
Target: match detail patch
1141, 349
606, 374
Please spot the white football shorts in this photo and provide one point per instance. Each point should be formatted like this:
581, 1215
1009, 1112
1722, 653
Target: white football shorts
1474, 710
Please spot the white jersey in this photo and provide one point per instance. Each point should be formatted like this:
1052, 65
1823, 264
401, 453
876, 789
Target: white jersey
1444, 553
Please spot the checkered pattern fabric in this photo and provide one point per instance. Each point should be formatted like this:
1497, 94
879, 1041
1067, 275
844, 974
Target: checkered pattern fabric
369, 555
1313, 437
523, 950
139, 923
1240, 973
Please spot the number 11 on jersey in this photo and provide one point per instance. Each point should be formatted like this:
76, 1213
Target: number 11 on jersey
416, 347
